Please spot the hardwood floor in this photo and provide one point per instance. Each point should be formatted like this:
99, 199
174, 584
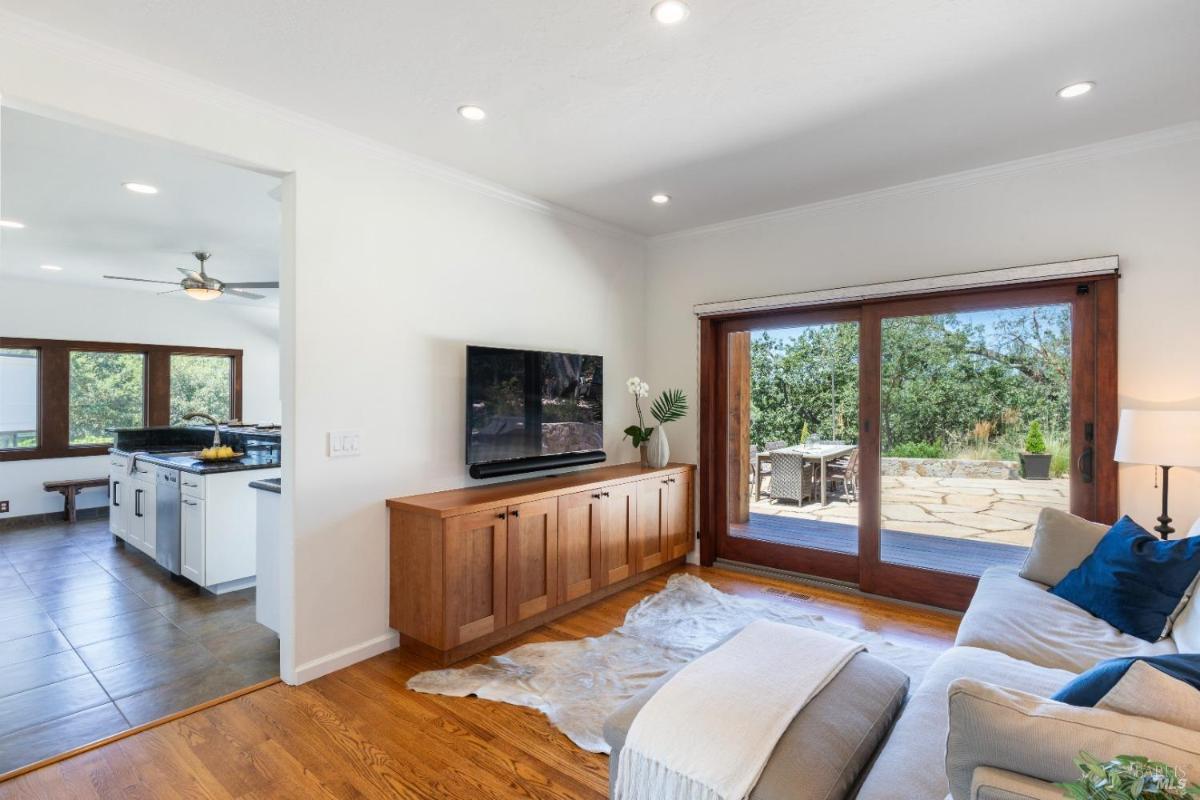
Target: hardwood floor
359, 733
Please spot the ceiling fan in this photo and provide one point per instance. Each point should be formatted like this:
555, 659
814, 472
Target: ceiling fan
201, 286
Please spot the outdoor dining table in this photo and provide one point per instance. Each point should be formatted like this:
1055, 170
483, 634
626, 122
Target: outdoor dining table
817, 453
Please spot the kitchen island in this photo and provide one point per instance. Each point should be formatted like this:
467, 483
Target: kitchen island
197, 519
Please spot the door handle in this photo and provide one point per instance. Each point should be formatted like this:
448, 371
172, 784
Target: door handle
116, 502
137, 502
1086, 463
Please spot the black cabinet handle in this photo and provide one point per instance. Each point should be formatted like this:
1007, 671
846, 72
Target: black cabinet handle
137, 502
115, 495
597, 495
516, 512
606, 494
501, 515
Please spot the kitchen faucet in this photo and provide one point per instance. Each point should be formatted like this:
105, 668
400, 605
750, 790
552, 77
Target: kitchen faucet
213, 420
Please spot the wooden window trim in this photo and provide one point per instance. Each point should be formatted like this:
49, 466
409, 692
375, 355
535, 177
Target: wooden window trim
54, 382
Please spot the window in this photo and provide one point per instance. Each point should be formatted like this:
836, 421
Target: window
18, 398
107, 390
201, 383
58, 399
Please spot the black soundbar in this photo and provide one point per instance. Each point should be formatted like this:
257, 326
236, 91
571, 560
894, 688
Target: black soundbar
516, 466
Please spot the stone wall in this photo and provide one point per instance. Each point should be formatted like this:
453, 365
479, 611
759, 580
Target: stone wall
950, 468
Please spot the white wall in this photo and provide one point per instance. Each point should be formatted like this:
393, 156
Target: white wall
391, 266
59, 310
1131, 199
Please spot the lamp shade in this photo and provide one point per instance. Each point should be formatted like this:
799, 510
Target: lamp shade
1166, 438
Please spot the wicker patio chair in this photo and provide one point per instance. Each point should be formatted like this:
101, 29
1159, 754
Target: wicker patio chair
761, 465
791, 477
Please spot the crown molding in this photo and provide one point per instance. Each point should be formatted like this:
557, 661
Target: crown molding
1161, 137
95, 55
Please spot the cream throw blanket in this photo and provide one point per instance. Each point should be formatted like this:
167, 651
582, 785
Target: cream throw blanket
708, 732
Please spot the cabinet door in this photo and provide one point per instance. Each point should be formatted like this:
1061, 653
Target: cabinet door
149, 522
474, 561
580, 533
652, 523
118, 504
532, 558
679, 514
191, 531
137, 522
618, 534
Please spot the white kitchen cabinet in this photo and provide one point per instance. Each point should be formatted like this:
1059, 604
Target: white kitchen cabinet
191, 531
119, 507
142, 512
219, 528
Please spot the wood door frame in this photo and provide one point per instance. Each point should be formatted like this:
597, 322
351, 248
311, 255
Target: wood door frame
1094, 323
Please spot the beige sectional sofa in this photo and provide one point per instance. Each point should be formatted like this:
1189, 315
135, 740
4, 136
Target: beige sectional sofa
1019, 637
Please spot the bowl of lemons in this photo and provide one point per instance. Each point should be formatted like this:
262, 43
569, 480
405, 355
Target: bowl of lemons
222, 453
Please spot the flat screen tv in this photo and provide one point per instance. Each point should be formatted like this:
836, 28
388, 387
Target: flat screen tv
530, 410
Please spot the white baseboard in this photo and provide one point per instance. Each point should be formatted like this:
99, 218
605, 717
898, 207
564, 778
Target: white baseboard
311, 670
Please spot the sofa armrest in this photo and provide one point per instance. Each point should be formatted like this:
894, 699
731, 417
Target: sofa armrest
990, 783
990, 726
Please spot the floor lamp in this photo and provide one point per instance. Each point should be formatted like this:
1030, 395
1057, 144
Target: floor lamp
1163, 438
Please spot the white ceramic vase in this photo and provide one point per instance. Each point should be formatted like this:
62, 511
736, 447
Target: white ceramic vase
658, 452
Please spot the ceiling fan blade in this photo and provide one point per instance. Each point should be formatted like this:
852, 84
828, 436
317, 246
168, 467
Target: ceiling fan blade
252, 285
240, 293
190, 273
140, 280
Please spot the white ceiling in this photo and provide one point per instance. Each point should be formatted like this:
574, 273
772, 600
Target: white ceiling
746, 107
64, 182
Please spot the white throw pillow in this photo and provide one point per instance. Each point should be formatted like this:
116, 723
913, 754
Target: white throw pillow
1061, 542
1186, 631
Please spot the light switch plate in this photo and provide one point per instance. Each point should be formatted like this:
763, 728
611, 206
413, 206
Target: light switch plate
344, 443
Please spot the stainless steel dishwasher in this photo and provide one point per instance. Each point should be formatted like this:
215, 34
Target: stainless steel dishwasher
167, 545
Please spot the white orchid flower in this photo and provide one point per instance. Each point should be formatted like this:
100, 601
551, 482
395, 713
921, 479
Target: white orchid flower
643, 389
633, 384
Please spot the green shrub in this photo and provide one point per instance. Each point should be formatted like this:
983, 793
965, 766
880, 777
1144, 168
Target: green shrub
1034, 443
916, 450
1060, 457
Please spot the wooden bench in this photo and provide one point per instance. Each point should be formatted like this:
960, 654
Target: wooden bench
69, 489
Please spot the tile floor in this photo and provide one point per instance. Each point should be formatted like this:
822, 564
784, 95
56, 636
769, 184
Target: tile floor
95, 637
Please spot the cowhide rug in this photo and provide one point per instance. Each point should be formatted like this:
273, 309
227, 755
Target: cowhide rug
578, 684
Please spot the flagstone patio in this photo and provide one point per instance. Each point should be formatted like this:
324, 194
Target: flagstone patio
983, 510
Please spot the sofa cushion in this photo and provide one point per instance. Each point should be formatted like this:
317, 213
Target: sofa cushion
1061, 542
1166, 688
1025, 733
1020, 618
1134, 581
822, 753
914, 756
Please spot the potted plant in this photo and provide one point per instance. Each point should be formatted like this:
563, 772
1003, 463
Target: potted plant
1127, 778
671, 405
1035, 461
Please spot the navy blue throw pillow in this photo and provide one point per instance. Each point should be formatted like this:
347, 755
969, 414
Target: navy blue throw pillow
1090, 687
1133, 581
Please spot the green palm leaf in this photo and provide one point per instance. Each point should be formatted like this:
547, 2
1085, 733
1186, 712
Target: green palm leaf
669, 406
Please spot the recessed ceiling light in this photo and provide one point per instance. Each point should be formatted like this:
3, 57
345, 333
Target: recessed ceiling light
51, 268
140, 188
11, 223
670, 12
660, 198
1076, 89
473, 113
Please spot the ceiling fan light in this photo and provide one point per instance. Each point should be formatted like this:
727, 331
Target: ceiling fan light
203, 293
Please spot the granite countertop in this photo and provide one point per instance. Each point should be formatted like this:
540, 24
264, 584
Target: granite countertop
187, 461
269, 485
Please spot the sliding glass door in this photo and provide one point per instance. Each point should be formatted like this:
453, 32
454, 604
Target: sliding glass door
793, 433
908, 445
